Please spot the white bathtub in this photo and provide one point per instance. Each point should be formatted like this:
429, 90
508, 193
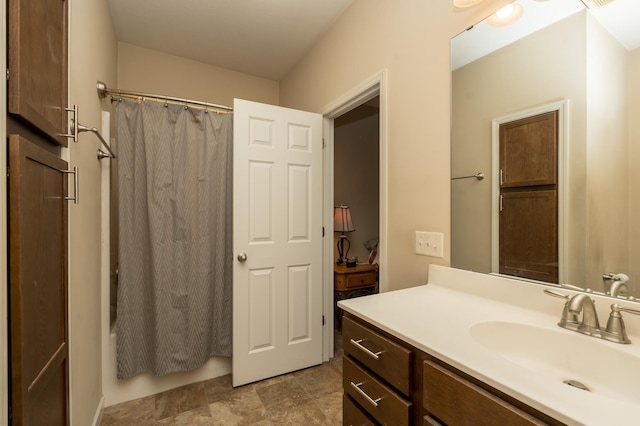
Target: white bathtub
116, 391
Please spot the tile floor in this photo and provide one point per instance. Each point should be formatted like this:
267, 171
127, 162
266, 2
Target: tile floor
307, 397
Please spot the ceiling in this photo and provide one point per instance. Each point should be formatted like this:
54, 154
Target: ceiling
265, 38
620, 17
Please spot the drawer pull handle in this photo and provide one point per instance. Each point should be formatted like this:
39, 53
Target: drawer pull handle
373, 402
358, 344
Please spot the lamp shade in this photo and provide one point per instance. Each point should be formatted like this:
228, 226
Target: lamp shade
342, 219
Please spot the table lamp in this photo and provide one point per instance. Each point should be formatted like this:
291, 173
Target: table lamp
342, 223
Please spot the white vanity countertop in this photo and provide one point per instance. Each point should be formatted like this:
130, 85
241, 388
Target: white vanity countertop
436, 318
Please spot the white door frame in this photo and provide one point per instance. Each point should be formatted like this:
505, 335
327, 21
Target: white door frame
562, 106
375, 85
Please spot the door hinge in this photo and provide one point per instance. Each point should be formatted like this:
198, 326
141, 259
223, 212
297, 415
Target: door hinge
7, 74
7, 171
323, 322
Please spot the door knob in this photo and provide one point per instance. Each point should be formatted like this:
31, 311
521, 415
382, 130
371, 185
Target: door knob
242, 257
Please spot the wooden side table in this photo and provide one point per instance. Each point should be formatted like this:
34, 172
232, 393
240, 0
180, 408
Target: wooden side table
356, 281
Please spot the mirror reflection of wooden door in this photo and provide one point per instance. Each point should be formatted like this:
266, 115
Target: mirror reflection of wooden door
529, 198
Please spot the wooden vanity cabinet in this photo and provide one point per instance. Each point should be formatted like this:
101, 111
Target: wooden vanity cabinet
353, 415
377, 374
417, 389
450, 399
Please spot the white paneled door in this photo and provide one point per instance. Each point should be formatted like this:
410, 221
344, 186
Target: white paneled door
277, 241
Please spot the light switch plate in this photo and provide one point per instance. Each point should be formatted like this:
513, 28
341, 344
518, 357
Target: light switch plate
430, 244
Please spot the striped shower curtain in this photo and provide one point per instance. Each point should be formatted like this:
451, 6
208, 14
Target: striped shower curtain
175, 255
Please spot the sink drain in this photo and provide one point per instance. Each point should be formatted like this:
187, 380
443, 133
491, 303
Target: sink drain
576, 384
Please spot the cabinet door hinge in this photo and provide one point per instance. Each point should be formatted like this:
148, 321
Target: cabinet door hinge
323, 322
323, 232
7, 74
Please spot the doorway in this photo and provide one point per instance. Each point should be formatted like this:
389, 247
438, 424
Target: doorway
357, 185
361, 111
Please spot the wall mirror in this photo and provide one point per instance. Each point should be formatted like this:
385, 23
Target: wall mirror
548, 110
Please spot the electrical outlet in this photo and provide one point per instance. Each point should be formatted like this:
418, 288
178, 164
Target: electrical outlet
430, 244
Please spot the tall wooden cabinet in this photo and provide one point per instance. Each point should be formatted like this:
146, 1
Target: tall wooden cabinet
37, 212
38, 74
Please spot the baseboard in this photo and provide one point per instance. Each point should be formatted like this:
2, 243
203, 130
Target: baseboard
98, 416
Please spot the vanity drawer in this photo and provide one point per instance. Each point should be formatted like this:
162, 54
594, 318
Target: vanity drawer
455, 401
379, 400
352, 415
387, 359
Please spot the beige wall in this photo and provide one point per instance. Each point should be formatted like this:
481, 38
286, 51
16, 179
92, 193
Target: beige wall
410, 40
634, 169
92, 55
356, 177
546, 66
150, 71
607, 228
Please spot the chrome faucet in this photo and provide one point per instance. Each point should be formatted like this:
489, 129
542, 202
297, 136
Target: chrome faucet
618, 283
589, 325
581, 302
618, 287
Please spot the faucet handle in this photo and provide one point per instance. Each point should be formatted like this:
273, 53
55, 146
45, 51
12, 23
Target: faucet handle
556, 294
617, 308
616, 330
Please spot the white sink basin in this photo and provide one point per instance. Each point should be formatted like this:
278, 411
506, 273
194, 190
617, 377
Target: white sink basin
562, 355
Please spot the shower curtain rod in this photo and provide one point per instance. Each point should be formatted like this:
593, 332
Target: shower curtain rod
103, 91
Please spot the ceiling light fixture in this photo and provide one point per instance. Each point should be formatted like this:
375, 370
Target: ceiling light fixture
505, 16
465, 3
